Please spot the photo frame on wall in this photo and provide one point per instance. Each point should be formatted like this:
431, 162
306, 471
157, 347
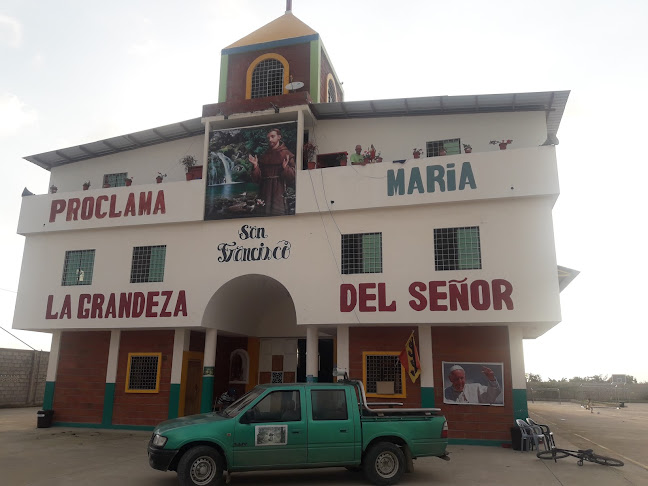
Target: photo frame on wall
473, 383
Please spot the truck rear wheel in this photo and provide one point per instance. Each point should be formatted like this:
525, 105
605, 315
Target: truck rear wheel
200, 466
384, 464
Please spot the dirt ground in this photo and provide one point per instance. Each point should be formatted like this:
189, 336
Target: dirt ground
610, 431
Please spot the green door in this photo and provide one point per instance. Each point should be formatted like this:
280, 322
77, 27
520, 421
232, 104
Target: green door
331, 430
276, 435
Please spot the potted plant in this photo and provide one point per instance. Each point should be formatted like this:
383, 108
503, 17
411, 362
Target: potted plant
502, 144
343, 158
417, 153
366, 157
86, 185
467, 148
53, 189
378, 158
159, 177
442, 151
191, 169
129, 181
105, 185
308, 151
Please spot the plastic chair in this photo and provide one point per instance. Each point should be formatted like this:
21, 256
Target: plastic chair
549, 441
528, 435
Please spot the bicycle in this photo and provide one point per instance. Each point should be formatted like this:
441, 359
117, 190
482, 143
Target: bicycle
556, 453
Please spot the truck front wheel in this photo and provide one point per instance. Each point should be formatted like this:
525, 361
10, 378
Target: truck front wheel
384, 464
200, 466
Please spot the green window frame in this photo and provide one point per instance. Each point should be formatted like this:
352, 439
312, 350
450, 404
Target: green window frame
115, 180
452, 146
78, 267
457, 248
362, 253
148, 264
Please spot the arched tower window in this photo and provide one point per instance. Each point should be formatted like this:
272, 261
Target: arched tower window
267, 76
332, 98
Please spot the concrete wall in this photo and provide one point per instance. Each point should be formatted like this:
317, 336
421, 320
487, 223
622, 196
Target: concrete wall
22, 377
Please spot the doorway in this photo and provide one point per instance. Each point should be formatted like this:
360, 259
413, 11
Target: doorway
325, 372
191, 384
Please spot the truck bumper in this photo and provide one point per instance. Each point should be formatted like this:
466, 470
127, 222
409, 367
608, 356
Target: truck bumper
160, 458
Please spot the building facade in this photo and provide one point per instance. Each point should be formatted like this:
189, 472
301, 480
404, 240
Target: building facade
165, 285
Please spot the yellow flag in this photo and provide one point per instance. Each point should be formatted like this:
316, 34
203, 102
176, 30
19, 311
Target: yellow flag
409, 358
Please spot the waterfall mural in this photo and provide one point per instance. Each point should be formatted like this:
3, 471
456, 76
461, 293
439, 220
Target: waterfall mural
251, 172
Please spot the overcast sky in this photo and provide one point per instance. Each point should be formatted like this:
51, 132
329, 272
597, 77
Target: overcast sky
76, 71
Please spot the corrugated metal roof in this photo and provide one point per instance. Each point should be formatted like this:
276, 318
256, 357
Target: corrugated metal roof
551, 102
175, 131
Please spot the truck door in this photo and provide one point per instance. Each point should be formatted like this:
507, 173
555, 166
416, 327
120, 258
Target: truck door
331, 432
276, 434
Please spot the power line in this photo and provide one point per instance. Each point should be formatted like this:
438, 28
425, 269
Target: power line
16, 338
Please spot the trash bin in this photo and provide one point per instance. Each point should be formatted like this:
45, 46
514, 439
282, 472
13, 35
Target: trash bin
44, 418
516, 438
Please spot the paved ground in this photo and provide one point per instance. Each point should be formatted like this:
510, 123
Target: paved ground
74, 456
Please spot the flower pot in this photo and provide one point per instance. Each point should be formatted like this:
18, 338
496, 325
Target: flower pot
311, 165
53, 190
468, 151
343, 162
195, 171
378, 159
503, 146
158, 179
443, 152
129, 182
189, 176
417, 155
85, 187
106, 186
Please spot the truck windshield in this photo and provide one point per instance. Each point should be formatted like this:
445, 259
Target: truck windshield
235, 408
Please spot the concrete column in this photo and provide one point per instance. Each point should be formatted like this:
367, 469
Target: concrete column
111, 377
209, 361
342, 349
52, 368
180, 345
427, 367
312, 353
518, 379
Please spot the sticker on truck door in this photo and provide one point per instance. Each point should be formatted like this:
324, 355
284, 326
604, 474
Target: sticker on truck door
270, 435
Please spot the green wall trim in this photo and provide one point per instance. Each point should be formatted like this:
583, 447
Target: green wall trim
48, 398
427, 396
174, 400
222, 87
101, 426
315, 69
520, 408
478, 442
207, 398
109, 400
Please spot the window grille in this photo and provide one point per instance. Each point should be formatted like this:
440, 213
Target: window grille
78, 267
451, 146
362, 253
115, 180
143, 375
267, 78
383, 367
331, 91
277, 377
148, 264
457, 249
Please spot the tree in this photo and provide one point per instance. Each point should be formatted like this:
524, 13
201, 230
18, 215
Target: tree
533, 378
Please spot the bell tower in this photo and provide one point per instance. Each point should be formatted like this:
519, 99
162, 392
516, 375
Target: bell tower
283, 60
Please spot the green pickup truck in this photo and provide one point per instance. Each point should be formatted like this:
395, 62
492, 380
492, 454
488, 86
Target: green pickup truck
303, 425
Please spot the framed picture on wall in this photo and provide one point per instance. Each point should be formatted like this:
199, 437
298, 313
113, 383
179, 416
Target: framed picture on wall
466, 383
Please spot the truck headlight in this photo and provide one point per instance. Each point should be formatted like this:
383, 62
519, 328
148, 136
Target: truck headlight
159, 441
